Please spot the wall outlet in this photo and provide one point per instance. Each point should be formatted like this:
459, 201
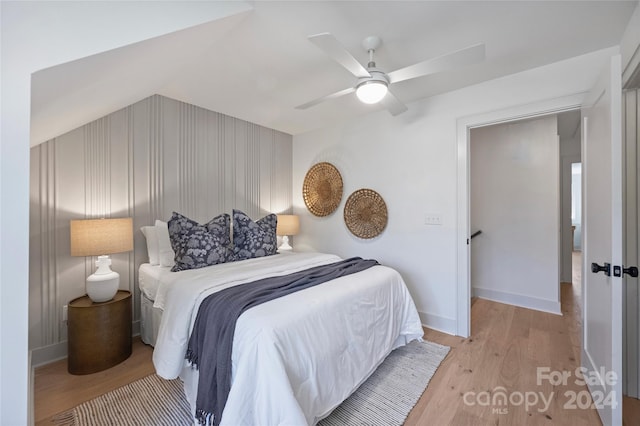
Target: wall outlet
65, 309
433, 219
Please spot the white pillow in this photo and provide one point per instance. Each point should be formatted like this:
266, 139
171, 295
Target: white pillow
151, 234
165, 251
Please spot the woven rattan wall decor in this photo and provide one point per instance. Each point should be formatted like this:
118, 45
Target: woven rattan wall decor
365, 213
322, 189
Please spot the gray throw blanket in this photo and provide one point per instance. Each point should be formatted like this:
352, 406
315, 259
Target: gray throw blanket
211, 340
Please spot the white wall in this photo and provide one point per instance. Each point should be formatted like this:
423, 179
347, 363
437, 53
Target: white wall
514, 200
629, 49
37, 35
411, 161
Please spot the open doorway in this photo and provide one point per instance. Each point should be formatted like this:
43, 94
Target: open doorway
576, 225
525, 197
576, 206
514, 199
569, 133
464, 126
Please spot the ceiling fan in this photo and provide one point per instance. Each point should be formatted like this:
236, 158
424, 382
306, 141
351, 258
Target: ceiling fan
373, 83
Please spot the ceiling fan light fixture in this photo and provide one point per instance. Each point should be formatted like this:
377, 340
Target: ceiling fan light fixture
371, 92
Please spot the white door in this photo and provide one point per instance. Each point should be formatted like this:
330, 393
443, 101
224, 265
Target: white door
602, 243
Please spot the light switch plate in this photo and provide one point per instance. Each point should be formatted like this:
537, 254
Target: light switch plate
433, 219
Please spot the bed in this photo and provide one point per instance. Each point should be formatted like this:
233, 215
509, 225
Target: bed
295, 358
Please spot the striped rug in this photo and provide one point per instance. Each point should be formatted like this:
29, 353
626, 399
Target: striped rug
386, 398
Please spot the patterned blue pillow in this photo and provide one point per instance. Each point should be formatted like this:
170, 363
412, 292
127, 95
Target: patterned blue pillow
253, 239
197, 246
220, 226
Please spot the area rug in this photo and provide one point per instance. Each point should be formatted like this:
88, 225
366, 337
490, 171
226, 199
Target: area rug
385, 398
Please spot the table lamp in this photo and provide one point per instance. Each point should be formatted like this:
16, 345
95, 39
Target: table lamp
288, 224
101, 237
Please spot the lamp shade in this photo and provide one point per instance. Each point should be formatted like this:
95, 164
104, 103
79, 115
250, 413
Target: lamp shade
95, 237
288, 224
371, 92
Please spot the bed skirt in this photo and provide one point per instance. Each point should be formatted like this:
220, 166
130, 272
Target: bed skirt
149, 320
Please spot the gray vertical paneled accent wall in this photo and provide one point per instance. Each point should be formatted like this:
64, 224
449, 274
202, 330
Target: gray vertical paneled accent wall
145, 161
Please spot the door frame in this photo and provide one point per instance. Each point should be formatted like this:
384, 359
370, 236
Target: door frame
631, 320
608, 90
463, 128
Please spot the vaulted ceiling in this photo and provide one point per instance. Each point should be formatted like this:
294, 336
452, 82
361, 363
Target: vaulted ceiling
259, 65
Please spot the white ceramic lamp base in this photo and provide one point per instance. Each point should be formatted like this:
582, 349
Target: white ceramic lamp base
103, 285
285, 246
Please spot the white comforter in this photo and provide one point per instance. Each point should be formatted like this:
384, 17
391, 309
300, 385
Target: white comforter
298, 357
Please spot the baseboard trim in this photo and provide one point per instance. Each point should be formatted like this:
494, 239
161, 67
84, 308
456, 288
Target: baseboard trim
523, 301
51, 353
48, 354
436, 322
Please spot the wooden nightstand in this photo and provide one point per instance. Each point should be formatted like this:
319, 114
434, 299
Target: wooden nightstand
99, 333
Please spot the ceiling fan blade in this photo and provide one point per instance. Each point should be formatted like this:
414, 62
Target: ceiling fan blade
332, 47
459, 58
392, 104
326, 98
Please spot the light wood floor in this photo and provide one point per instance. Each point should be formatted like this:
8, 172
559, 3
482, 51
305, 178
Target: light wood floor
507, 345
56, 390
